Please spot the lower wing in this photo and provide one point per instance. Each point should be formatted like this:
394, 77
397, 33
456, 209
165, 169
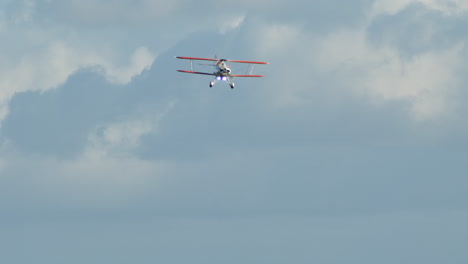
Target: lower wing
249, 62
194, 72
243, 75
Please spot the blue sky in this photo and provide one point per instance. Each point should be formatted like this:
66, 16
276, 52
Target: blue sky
352, 149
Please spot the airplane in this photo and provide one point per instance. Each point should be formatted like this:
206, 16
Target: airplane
223, 72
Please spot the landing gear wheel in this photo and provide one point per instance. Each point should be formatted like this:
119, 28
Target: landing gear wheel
232, 86
211, 84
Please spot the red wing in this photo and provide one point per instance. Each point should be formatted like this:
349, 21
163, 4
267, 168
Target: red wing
193, 58
204, 73
243, 75
250, 62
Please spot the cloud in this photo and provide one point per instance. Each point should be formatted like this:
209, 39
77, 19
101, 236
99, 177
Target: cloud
51, 66
118, 12
107, 172
123, 137
119, 140
140, 60
19, 12
278, 38
231, 23
446, 7
426, 81
42, 55
423, 75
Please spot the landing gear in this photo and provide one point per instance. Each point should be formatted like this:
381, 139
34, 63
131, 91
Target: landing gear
227, 79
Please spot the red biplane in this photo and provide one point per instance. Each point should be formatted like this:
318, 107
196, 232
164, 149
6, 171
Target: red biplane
222, 73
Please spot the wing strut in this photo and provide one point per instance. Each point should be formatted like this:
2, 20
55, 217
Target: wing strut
251, 66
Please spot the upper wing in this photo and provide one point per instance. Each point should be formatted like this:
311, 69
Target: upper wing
208, 59
204, 73
245, 75
194, 58
250, 62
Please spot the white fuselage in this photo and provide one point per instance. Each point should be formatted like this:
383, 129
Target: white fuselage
223, 70
223, 73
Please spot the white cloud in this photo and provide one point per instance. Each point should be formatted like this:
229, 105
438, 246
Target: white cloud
40, 55
51, 66
426, 81
231, 23
289, 48
141, 60
117, 12
390, 7
277, 38
447, 7
117, 137
123, 137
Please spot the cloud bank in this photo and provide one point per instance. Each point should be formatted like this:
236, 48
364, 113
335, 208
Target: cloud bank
353, 143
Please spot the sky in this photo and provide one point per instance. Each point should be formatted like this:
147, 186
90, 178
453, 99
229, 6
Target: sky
352, 149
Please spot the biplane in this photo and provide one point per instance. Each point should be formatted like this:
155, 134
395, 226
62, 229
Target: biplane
222, 71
